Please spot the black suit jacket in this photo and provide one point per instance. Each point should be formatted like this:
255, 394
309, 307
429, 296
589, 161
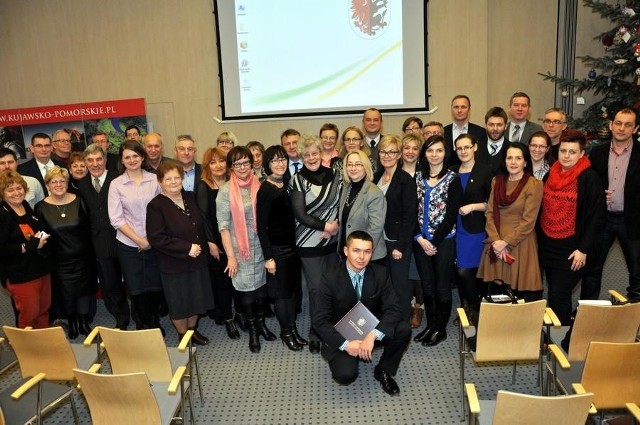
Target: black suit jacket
112, 162
477, 190
402, 208
103, 235
336, 296
30, 168
479, 133
600, 164
493, 162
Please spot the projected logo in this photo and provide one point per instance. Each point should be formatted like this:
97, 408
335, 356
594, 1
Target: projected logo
369, 18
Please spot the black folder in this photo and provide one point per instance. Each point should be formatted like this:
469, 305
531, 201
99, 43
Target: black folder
357, 323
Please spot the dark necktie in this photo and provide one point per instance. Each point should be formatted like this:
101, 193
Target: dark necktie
358, 285
296, 165
494, 149
515, 137
372, 144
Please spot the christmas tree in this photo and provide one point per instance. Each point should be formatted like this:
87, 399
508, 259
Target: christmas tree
616, 75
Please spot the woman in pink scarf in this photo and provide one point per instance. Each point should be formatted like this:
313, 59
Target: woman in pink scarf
236, 212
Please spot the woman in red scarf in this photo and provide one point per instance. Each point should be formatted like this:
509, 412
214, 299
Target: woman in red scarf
510, 251
572, 211
236, 212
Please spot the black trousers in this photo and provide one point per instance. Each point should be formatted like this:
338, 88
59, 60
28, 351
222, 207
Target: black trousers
398, 270
344, 368
113, 292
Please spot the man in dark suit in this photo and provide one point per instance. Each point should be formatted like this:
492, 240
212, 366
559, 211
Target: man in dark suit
338, 293
520, 128
37, 167
186, 155
618, 165
492, 149
372, 128
112, 160
460, 111
94, 189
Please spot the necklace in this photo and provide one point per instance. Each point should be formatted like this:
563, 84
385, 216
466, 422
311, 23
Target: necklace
349, 203
63, 214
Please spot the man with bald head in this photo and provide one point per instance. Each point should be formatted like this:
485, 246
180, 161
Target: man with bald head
152, 143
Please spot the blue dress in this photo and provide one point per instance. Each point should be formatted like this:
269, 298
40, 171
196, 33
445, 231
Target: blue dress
468, 245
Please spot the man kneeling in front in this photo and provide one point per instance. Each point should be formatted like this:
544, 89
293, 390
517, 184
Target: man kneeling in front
342, 286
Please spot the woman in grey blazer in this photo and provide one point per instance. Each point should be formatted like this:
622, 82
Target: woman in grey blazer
362, 204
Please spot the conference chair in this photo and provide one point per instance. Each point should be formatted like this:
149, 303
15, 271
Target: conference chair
130, 398
523, 409
603, 323
46, 360
611, 371
505, 333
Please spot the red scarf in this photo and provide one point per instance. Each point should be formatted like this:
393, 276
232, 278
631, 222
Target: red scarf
237, 211
500, 197
559, 178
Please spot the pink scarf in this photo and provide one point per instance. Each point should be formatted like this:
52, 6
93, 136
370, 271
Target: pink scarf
237, 211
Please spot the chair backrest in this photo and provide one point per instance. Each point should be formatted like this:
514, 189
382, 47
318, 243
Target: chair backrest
138, 351
612, 373
603, 323
523, 409
42, 350
509, 331
119, 399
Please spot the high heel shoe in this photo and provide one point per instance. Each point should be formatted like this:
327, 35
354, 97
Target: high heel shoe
72, 330
264, 331
232, 331
198, 338
289, 339
300, 340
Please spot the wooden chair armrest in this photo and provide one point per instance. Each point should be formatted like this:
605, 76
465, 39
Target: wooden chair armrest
185, 341
550, 318
175, 381
92, 336
1, 340
27, 386
94, 368
472, 397
464, 320
579, 389
617, 297
634, 410
559, 356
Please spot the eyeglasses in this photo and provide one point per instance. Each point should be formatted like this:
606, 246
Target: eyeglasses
62, 141
538, 147
354, 165
278, 161
389, 153
554, 122
464, 148
241, 164
411, 129
41, 146
225, 142
353, 139
57, 182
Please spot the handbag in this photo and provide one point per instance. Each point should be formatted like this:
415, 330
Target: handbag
500, 292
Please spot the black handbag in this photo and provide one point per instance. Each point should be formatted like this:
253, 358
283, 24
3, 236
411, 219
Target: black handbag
500, 292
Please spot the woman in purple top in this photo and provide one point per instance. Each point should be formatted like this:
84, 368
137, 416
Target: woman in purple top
129, 195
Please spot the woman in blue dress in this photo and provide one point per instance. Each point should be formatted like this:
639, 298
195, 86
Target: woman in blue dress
476, 185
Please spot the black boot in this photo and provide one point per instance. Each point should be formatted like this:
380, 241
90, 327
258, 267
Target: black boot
254, 335
232, 331
72, 330
83, 325
440, 334
264, 331
155, 323
288, 338
300, 340
240, 321
430, 314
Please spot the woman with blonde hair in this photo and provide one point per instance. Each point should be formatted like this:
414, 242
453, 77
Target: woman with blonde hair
362, 204
226, 140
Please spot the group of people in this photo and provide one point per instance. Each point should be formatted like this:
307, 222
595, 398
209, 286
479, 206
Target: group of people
394, 221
